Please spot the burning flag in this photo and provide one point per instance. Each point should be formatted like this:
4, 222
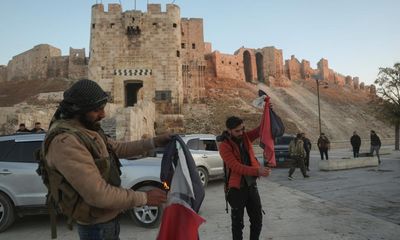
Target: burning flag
180, 220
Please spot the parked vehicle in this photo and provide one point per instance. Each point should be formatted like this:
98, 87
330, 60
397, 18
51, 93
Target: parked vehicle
282, 150
204, 150
22, 191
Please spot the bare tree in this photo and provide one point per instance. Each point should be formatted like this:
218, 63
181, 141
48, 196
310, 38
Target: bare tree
388, 90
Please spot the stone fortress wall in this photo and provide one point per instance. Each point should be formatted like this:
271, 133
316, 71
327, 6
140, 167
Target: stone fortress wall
151, 63
43, 62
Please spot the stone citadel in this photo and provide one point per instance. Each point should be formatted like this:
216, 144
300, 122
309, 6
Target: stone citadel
152, 63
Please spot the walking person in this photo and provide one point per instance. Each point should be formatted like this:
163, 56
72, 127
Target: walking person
323, 145
237, 152
307, 149
375, 145
83, 168
297, 154
355, 141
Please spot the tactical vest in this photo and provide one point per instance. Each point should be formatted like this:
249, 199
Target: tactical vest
62, 197
296, 148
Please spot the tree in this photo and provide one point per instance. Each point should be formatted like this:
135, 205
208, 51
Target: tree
388, 90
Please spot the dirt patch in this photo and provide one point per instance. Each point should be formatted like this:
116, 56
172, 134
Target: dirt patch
14, 92
342, 110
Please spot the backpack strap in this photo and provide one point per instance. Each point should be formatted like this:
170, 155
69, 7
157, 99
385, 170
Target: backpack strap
227, 175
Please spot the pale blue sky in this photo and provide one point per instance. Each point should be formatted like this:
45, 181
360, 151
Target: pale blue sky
356, 36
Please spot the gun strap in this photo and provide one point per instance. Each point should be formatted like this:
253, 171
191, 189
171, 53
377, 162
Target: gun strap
53, 219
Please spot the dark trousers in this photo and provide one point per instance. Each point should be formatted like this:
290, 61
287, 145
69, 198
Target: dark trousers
307, 159
376, 149
323, 151
101, 231
249, 198
297, 162
356, 151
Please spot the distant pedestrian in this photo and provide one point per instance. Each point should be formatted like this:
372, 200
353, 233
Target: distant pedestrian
297, 154
355, 141
307, 149
38, 128
323, 145
22, 128
375, 145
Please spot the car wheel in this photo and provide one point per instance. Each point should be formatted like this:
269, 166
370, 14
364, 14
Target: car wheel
203, 174
146, 216
7, 214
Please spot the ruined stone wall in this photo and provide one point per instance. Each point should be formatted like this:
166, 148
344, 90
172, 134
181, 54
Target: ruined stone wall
339, 79
273, 62
306, 70
323, 69
356, 82
228, 66
3, 73
250, 65
211, 71
133, 122
32, 64
11, 117
57, 67
140, 47
193, 62
293, 68
77, 64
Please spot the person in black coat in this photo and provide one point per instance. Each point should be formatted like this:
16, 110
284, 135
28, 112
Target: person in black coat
307, 149
22, 129
375, 145
355, 141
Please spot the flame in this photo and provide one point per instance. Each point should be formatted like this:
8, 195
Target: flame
165, 185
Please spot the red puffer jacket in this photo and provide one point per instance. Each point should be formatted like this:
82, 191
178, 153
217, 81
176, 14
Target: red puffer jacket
230, 153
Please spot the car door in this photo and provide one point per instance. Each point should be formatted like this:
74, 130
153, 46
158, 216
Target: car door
18, 177
209, 152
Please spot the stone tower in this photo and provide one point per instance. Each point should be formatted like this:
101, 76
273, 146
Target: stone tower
136, 55
323, 69
193, 61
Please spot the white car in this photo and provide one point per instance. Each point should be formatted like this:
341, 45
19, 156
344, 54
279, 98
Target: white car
22, 191
204, 150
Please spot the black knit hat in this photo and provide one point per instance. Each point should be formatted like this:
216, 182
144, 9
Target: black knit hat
83, 96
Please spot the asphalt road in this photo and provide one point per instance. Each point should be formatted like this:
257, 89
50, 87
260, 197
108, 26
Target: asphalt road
357, 204
372, 190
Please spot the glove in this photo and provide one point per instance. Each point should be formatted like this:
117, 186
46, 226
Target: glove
162, 140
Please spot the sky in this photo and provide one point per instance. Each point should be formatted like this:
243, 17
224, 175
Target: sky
356, 36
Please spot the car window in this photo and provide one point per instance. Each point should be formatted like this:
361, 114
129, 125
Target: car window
21, 152
209, 145
5, 148
193, 144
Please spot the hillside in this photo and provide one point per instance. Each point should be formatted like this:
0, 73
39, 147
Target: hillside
14, 92
342, 110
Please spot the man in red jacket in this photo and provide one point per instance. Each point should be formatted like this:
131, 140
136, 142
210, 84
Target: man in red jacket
243, 169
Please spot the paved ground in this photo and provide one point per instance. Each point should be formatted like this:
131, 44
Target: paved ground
351, 204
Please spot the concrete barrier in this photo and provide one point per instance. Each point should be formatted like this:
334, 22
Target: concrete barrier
347, 163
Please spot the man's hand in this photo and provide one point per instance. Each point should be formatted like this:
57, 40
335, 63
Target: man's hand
162, 140
264, 171
156, 197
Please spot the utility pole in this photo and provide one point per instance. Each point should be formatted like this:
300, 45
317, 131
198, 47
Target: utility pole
319, 108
